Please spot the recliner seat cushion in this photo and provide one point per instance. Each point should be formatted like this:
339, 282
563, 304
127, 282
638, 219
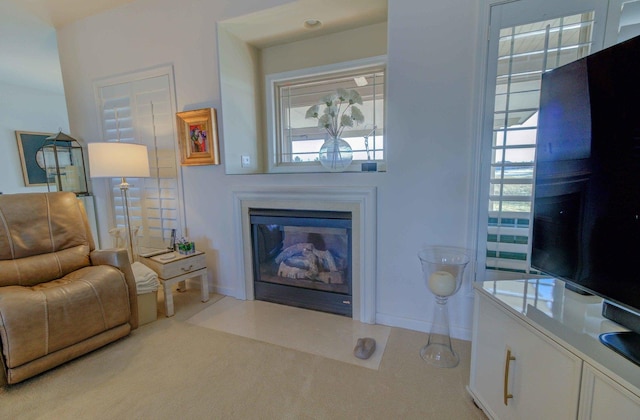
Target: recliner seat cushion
38, 320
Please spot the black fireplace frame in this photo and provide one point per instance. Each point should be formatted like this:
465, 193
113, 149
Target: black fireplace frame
320, 300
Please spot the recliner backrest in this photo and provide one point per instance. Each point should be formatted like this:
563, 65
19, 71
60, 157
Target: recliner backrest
43, 236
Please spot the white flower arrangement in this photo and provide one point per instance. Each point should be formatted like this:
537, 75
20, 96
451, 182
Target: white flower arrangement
340, 111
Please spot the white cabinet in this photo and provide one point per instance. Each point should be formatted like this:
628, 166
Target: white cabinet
518, 373
536, 355
603, 398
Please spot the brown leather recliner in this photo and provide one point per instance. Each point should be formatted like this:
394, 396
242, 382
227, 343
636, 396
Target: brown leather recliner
59, 297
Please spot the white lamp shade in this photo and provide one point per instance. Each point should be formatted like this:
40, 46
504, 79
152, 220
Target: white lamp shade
118, 160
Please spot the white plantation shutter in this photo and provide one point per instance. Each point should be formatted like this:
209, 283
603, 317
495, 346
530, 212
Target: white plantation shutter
521, 48
160, 199
141, 111
525, 52
629, 20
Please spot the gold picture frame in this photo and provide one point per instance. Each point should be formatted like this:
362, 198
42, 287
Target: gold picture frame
29, 143
198, 137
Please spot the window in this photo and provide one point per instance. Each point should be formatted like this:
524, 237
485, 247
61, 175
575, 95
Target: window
140, 110
520, 50
294, 141
525, 52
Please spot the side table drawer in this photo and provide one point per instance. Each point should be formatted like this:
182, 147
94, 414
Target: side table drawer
177, 266
182, 266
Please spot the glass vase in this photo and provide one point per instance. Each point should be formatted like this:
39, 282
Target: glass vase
443, 270
335, 154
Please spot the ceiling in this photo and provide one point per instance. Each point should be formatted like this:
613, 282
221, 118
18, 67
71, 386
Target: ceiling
286, 23
28, 43
29, 50
58, 13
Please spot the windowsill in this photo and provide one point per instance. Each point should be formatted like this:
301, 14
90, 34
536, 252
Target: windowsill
315, 167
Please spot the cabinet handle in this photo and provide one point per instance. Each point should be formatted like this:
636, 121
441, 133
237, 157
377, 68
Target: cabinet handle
507, 364
187, 268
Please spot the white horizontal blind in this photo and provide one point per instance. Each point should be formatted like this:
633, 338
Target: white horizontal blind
629, 20
154, 127
525, 52
300, 138
141, 112
117, 125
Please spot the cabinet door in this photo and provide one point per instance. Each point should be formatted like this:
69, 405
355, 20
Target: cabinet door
541, 381
603, 398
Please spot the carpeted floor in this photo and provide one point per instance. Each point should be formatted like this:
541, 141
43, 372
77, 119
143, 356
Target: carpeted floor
173, 369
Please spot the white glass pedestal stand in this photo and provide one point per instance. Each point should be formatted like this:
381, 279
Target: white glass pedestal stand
443, 270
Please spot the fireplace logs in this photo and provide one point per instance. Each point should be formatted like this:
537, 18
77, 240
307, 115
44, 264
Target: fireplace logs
303, 260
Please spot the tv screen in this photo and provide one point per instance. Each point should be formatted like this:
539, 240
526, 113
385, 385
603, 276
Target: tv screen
586, 221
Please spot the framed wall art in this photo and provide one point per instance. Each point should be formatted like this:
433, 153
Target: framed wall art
29, 143
198, 137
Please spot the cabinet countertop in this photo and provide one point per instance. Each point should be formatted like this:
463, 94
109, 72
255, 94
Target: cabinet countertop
568, 317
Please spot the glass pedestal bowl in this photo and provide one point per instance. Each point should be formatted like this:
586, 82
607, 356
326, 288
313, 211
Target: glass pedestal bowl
443, 270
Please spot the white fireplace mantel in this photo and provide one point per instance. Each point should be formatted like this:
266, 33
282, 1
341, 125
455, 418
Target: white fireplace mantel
360, 201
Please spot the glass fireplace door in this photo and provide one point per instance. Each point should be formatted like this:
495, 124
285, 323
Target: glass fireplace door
303, 258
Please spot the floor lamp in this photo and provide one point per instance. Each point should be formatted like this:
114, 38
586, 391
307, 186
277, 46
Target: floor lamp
120, 160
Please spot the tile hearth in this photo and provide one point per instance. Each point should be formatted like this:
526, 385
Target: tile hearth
319, 333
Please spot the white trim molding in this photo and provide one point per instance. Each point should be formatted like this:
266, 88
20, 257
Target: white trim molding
360, 201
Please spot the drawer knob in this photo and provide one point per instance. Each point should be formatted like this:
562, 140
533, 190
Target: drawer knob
187, 268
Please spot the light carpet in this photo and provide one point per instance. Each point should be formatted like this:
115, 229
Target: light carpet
171, 369
319, 333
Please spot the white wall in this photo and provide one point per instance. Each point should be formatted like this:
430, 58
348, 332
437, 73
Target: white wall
241, 87
25, 109
423, 198
355, 44
31, 93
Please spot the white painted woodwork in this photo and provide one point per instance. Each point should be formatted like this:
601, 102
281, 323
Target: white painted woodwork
603, 398
561, 370
361, 202
538, 361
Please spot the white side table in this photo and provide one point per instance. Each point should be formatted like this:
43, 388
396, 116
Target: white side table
175, 268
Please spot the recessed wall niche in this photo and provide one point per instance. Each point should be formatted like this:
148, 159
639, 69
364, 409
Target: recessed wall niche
278, 40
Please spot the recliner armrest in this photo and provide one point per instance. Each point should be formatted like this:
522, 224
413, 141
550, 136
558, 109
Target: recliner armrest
119, 258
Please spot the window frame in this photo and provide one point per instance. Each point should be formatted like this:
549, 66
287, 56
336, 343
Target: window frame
274, 142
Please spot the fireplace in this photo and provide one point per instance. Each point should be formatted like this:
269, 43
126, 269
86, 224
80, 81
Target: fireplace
303, 258
359, 201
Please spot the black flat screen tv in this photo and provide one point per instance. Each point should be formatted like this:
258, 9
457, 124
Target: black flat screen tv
586, 213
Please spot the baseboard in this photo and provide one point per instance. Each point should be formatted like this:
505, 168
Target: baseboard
226, 291
214, 288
